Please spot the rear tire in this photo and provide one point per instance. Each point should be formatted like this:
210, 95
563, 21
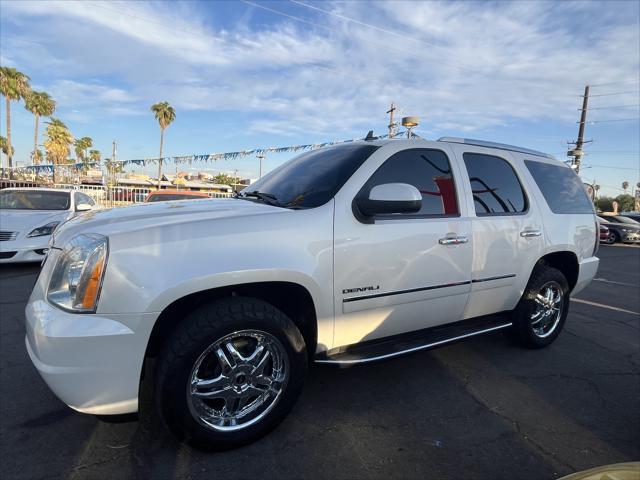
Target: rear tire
230, 372
613, 238
542, 311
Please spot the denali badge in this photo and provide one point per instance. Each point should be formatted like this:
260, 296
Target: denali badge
360, 289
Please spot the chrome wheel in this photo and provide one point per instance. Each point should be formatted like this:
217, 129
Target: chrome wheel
611, 238
237, 380
548, 309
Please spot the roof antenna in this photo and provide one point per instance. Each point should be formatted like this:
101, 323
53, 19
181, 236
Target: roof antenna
369, 136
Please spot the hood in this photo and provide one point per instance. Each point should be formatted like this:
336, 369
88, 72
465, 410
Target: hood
23, 220
160, 214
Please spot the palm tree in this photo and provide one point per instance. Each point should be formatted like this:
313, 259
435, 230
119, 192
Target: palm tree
58, 143
4, 147
14, 85
95, 156
81, 147
40, 104
165, 114
625, 185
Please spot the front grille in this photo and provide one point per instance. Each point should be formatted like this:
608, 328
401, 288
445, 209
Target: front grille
5, 236
5, 255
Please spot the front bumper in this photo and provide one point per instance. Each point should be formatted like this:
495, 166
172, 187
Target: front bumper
24, 249
631, 237
91, 362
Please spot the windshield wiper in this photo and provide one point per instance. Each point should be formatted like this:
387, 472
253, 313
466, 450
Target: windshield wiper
268, 198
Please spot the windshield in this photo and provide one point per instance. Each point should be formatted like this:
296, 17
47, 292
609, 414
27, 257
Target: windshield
312, 179
34, 200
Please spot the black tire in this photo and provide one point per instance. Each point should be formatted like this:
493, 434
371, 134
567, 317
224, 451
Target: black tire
614, 237
201, 329
522, 331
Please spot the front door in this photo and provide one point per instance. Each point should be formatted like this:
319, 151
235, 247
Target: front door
402, 272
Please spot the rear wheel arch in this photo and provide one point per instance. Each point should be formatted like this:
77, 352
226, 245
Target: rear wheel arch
292, 299
564, 261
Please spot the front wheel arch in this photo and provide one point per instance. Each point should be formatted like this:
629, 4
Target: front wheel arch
293, 299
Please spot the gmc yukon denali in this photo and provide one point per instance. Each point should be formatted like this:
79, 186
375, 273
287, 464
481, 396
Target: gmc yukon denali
344, 255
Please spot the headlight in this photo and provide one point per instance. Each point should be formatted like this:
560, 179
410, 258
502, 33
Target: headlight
43, 230
77, 277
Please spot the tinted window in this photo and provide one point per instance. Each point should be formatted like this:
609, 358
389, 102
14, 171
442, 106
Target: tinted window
427, 170
34, 200
561, 188
495, 186
312, 179
82, 198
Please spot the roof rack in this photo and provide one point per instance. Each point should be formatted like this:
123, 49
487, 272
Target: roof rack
501, 146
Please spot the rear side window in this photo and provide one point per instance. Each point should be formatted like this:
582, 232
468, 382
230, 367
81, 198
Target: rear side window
561, 188
495, 185
427, 170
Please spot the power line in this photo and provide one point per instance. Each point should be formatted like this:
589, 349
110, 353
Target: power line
614, 120
614, 93
363, 24
623, 82
613, 168
614, 106
325, 27
228, 42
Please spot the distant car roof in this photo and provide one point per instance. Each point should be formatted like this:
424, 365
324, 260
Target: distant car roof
39, 189
179, 192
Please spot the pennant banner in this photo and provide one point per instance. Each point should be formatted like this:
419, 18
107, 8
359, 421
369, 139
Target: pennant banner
201, 158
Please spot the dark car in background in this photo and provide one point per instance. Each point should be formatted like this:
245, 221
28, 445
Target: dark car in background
621, 229
604, 232
632, 215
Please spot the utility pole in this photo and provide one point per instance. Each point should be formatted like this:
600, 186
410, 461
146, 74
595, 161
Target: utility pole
392, 125
260, 156
577, 152
113, 165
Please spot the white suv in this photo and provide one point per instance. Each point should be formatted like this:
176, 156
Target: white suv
343, 255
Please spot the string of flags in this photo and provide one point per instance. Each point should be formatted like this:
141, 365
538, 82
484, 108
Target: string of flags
48, 169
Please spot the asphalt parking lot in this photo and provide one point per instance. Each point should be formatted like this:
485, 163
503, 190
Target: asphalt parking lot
480, 409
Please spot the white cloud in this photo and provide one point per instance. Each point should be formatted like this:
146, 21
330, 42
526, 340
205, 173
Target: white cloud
463, 66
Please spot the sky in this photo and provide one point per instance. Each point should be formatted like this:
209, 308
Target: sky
251, 74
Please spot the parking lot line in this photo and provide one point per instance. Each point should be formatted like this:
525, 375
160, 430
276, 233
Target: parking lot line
594, 304
614, 282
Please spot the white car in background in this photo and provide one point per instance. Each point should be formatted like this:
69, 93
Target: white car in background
28, 217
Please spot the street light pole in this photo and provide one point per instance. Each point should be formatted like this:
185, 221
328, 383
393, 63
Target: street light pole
260, 156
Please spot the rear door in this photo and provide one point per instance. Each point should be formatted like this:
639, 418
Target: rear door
402, 272
506, 228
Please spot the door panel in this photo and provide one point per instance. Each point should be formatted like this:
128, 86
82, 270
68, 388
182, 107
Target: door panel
394, 276
505, 245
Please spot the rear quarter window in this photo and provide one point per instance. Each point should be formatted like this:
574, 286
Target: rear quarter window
561, 187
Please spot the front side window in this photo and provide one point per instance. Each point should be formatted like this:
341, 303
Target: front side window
311, 179
427, 170
83, 198
495, 185
34, 200
560, 187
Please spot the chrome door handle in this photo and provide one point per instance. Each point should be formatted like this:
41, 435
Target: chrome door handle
530, 233
458, 240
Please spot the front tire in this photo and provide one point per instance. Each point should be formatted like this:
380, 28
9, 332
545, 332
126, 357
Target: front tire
542, 311
230, 372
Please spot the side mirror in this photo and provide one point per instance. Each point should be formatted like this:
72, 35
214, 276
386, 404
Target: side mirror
390, 198
83, 207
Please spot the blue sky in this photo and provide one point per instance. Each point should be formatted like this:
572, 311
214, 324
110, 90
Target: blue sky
253, 74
